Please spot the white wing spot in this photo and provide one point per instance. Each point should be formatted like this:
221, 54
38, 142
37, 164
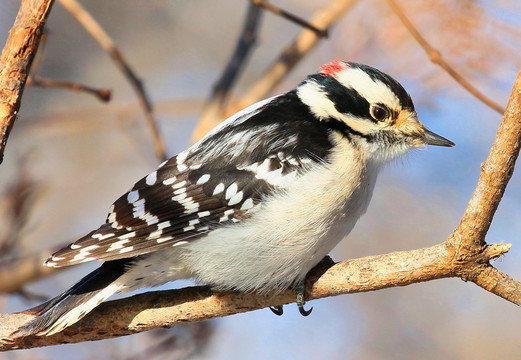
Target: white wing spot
236, 199
133, 196
127, 235
102, 237
180, 191
194, 222
203, 214
151, 178
170, 181
218, 189
203, 179
231, 191
179, 185
117, 245
179, 197
163, 239
181, 157
126, 250
247, 204
195, 167
155, 234
75, 246
181, 167
88, 249
188, 228
163, 225
180, 243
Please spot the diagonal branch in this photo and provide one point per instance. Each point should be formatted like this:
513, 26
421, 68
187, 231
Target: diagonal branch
293, 53
98, 33
289, 16
436, 58
211, 115
15, 62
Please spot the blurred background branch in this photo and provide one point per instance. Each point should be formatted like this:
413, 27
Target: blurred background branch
100, 35
436, 57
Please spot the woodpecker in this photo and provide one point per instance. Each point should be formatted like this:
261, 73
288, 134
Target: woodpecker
256, 203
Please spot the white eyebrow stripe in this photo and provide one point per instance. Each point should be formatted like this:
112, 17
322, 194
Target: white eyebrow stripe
373, 91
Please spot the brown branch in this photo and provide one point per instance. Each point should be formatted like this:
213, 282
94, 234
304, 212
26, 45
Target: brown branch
16, 273
106, 43
293, 53
175, 307
289, 16
16, 60
436, 58
211, 115
101, 94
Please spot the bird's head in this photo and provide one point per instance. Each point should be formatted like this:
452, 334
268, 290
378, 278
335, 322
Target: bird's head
365, 104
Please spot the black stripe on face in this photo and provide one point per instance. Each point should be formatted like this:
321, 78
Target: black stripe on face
346, 130
395, 86
346, 100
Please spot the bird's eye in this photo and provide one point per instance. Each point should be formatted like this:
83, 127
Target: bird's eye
378, 112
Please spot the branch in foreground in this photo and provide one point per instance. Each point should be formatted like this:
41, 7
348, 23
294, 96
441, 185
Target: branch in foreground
96, 31
436, 58
175, 307
496, 171
16, 60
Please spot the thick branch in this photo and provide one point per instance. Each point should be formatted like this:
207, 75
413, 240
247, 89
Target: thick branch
496, 171
16, 60
170, 308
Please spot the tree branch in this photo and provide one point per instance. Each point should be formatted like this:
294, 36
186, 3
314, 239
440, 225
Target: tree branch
101, 94
16, 60
175, 307
293, 53
436, 58
211, 115
96, 31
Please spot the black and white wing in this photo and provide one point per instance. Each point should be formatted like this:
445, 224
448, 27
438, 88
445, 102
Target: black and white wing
219, 181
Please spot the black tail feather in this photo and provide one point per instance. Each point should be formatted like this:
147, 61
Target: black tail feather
87, 288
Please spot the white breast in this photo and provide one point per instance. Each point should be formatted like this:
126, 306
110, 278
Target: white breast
291, 232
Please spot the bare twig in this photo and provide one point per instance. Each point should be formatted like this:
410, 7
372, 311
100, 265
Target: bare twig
16, 60
289, 16
293, 53
436, 57
101, 94
211, 115
103, 39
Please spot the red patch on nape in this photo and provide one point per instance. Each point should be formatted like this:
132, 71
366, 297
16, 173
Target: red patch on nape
333, 68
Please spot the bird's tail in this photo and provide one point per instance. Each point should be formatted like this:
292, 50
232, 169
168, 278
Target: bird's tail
69, 307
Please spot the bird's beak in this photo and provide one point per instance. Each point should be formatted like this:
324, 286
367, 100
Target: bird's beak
431, 138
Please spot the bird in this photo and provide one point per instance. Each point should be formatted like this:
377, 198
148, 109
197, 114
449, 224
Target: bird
255, 204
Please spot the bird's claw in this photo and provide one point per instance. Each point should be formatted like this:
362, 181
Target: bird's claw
277, 310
